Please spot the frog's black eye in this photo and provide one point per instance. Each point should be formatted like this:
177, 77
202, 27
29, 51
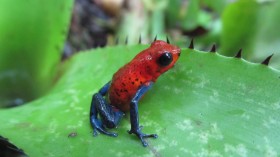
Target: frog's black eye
165, 59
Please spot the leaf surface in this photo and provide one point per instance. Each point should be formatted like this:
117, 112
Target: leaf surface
207, 105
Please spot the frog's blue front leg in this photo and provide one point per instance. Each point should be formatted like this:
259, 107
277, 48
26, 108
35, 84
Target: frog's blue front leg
134, 117
109, 117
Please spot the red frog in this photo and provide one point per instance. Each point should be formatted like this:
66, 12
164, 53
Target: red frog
127, 87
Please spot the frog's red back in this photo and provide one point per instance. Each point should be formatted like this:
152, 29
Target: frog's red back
141, 70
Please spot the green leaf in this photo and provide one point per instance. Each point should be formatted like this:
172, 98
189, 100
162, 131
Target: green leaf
207, 105
32, 36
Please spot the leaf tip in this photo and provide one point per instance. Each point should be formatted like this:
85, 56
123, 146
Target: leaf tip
126, 40
213, 49
140, 40
167, 40
155, 38
266, 61
191, 46
239, 54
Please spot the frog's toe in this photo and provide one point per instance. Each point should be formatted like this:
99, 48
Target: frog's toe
150, 135
141, 136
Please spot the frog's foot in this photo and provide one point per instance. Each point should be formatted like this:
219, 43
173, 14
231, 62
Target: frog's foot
141, 136
98, 127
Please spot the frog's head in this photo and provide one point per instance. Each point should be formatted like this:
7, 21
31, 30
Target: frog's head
164, 55
157, 59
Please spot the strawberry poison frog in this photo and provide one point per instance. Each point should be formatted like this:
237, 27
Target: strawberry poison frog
127, 86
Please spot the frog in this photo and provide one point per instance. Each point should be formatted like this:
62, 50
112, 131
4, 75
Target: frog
127, 87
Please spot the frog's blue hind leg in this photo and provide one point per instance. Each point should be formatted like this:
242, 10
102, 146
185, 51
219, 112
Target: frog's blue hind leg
110, 117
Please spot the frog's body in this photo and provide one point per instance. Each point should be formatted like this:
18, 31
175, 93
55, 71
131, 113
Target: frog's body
128, 85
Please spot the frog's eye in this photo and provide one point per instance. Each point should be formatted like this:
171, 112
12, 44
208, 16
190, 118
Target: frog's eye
165, 59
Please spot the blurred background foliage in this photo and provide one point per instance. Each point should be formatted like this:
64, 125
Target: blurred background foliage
32, 34
31, 38
231, 25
